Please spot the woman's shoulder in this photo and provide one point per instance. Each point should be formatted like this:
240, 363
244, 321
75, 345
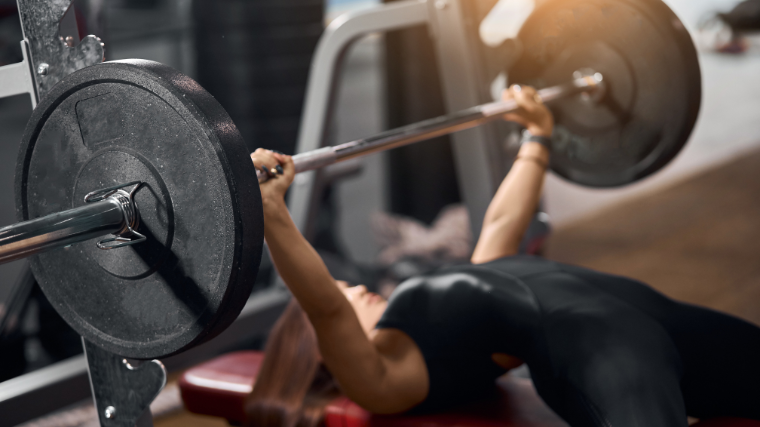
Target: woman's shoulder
458, 279
465, 289
465, 277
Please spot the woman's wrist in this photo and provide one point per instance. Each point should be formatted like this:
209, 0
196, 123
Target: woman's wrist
545, 132
535, 149
529, 137
274, 205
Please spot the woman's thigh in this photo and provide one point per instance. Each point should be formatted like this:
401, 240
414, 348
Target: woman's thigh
721, 358
720, 353
611, 365
624, 390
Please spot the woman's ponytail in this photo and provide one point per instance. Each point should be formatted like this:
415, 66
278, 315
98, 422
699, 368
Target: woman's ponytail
293, 387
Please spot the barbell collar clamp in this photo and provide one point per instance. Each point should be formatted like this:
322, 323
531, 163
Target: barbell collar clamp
127, 236
108, 211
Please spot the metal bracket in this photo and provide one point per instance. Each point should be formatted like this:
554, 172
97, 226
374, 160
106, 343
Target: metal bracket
17, 79
50, 58
127, 236
123, 392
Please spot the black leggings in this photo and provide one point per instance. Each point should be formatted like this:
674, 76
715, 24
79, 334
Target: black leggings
721, 356
603, 350
718, 374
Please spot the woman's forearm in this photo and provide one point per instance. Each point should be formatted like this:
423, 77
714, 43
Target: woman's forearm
344, 347
514, 205
346, 350
518, 195
298, 263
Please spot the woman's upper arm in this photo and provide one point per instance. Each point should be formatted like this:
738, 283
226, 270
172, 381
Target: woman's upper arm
404, 382
497, 240
383, 374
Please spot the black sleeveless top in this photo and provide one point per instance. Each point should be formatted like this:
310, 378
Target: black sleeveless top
557, 318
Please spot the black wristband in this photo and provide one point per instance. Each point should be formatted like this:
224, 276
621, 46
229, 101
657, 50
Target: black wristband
543, 140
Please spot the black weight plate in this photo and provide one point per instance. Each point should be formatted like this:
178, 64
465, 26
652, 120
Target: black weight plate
200, 207
652, 78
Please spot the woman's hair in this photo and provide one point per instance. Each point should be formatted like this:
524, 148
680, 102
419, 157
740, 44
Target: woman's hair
293, 387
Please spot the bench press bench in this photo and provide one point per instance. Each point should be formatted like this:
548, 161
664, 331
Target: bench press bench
220, 386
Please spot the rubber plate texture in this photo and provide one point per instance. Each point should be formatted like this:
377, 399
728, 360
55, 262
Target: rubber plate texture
652, 78
200, 207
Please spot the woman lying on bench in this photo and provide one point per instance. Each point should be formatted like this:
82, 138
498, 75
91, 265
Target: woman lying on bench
602, 350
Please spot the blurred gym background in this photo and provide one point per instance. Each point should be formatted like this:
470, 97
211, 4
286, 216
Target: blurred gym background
691, 230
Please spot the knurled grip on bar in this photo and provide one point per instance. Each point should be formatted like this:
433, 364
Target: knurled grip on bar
307, 161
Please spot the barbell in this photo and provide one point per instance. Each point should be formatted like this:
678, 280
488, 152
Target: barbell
585, 80
141, 207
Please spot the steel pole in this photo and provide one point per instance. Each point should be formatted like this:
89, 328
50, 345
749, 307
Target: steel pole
61, 229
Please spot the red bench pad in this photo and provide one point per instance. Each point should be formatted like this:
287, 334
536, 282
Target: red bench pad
518, 405
220, 386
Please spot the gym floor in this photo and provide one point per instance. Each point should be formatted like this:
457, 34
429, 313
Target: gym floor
696, 241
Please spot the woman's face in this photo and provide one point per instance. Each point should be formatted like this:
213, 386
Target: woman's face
369, 306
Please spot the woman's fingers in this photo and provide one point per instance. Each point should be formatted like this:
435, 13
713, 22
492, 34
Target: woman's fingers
269, 161
263, 159
286, 162
527, 98
531, 112
521, 115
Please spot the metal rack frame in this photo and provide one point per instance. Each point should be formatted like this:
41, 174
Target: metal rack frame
463, 87
65, 383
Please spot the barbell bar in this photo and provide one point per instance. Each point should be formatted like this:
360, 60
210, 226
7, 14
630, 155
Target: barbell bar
113, 210
583, 81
